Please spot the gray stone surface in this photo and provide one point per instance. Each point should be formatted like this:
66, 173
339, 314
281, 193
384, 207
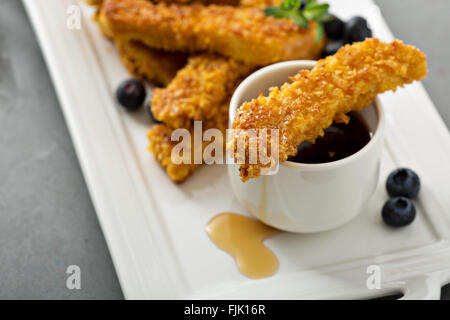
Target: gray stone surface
47, 221
425, 24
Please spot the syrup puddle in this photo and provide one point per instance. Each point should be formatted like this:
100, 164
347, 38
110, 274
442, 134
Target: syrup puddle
243, 238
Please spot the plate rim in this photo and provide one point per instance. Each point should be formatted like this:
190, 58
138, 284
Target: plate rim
430, 262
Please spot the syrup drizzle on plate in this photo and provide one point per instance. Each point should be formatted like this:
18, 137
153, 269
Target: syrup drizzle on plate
243, 238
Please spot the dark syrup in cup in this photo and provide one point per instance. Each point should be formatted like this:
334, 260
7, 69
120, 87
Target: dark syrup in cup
339, 141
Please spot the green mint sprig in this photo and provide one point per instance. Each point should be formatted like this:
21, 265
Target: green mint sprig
301, 12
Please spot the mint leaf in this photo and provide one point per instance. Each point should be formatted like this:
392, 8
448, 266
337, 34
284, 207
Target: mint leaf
290, 9
299, 19
316, 11
320, 32
309, 2
276, 12
291, 4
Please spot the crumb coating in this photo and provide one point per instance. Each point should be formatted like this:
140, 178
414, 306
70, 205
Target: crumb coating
244, 34
198, 90
161, 145
150, 64
338, 84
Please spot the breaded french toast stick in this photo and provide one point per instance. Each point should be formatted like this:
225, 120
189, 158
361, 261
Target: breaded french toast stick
244, 34
161, 145
205, 2
150, 64
346, 81
198, 90
244, 3
156, 65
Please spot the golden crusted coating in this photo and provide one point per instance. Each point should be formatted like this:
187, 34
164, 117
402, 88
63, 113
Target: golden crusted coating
259, 3
205, 2
198, 90
243, 3
93, 2
244, 34
161, 146
347, 81
150, 64
156, 65
144, 62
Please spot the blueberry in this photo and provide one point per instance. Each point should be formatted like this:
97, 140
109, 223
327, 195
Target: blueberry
356, 29
332, 47
302, 5
398, 212
148, 107
131, 94
334, 27
403, 182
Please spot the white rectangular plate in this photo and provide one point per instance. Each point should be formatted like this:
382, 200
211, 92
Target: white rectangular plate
155, 230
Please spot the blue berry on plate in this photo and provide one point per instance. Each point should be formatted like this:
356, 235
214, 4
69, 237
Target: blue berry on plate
403, 182
356, 29
398, 212
332, 47
334, 27
302, 5
131, 94
148, 107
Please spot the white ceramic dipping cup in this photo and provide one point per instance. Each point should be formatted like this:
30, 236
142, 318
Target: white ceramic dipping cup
308, 198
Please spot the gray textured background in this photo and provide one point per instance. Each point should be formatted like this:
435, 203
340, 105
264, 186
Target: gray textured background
47, 221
